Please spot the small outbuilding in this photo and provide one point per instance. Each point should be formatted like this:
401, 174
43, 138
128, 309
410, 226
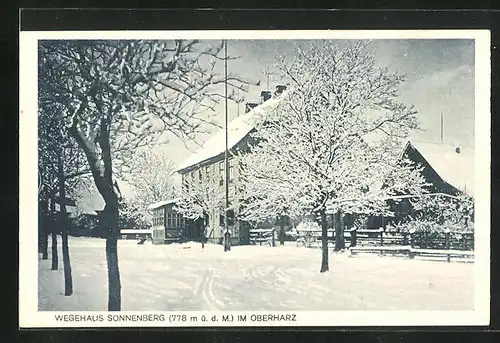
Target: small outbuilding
168, 224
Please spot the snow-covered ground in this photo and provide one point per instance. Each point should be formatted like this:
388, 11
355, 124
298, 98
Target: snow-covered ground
185, 277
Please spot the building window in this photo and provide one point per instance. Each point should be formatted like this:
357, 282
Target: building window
207, 172
185, 182
221, 172
158, 217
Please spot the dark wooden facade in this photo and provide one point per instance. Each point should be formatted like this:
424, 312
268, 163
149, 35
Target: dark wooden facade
402, 208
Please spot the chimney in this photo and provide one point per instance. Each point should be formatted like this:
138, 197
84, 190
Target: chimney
249, 106
279, 89
265, 95
457, 150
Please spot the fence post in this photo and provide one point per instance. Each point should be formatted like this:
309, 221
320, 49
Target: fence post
354, 233
272, 238
447, 240
381, 230
410, 239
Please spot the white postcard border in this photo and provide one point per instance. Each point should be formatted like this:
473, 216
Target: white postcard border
29, 316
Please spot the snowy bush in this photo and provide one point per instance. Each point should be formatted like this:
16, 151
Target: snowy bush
308, 225
440, 213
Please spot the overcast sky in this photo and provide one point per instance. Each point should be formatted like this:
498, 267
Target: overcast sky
440, 79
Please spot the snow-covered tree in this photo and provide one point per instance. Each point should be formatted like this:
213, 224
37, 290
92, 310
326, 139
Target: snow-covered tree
62, 171
455, 213
151, 177
200, 198
263, 199
333, 144
119, 95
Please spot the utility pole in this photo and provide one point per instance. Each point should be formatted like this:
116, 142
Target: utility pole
227, 241
238, 102
267, 73
441, 127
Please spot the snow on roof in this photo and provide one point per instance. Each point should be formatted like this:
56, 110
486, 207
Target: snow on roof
238, 128
162, 203
455, 168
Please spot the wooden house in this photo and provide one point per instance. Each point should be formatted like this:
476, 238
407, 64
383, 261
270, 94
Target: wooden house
448, 169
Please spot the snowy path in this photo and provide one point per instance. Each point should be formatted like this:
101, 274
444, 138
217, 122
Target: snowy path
183, 277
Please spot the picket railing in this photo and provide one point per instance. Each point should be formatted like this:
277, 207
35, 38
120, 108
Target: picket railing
259, 236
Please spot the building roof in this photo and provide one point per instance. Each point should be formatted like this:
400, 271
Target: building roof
457, 169
238, 129
162, 203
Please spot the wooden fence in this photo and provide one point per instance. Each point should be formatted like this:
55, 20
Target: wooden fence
434, 244
259, 236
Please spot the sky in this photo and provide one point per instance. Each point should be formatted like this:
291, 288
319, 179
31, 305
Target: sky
440, 80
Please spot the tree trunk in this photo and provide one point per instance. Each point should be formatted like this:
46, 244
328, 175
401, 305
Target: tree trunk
102, 171
203, 230
53, 230
282, 232
324, 241
68, 278
227, 242
45, 246
110, 218
45, 232
55, 264
339, 232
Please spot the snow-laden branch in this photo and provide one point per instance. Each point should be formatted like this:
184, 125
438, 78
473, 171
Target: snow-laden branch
333, 143
201, 197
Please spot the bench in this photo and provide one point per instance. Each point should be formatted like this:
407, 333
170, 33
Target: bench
381, 250
441, 253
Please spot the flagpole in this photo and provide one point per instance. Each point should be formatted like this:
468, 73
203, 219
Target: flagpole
226, 162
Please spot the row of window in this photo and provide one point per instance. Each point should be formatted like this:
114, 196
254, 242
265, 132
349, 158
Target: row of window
205, 173
170, 220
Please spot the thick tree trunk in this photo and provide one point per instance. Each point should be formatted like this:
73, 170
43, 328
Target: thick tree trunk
45, 246
101, 167
53, 231
282, 232
202, 231
55, 258
339, 232
110, 217
44, 230
324, 241
63, 220
68, 278
227, 242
